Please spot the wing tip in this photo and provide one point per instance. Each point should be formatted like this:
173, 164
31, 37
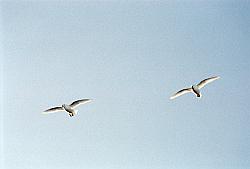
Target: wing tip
86, 100
172, 97
215, 77
89, 100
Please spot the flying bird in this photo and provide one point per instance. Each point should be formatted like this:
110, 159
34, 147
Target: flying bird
68, 108
195, 88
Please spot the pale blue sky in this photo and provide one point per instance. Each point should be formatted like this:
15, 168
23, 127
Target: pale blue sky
130, 58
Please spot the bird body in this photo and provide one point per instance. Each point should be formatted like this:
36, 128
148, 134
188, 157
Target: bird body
71, 111
195, 88
68, 108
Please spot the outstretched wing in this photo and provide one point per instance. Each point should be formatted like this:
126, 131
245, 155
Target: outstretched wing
181, 92
206, 81
79, 102
53, 110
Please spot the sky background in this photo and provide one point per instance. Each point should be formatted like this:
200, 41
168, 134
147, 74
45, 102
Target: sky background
129, 57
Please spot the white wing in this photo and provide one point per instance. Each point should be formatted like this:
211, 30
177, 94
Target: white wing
206, 81
181, 92
53, 110
79, 102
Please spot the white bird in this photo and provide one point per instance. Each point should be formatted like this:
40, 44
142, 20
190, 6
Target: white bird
69, 108
195, 88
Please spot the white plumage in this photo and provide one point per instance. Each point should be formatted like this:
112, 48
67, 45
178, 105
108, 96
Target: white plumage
68, 108
195, 88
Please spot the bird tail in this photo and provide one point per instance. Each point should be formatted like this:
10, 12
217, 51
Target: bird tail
75, 112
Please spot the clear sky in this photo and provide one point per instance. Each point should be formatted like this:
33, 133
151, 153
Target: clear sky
129, 57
